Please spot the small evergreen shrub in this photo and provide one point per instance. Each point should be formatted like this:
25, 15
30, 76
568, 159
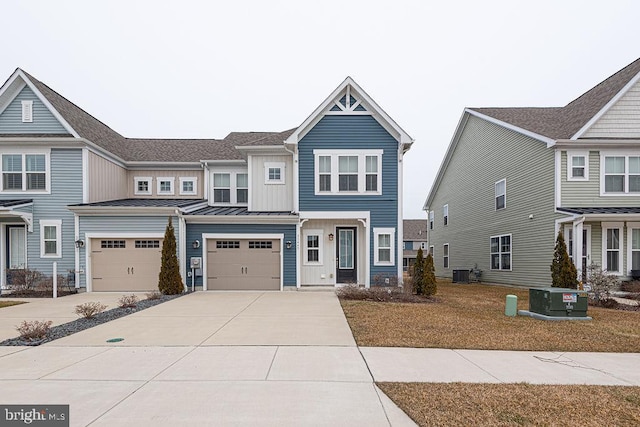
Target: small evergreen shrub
88, 310
563, 272
128, 301
417, 279
34, 330
430, 285
169, 280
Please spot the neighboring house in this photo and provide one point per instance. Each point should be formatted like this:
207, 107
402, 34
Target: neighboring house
320, 204
415, 237
513, 177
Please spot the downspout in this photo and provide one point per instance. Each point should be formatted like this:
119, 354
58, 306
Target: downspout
400, 233
182, 255
76, 267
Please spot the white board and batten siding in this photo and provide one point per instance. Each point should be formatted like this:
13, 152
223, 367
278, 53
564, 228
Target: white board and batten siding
487, 153
621, 120
270, 197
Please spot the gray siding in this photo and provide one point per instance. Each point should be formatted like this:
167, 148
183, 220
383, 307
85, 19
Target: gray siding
485, 154
621, 120
43, 121
121, 224
353, 132
195, 232
587, 193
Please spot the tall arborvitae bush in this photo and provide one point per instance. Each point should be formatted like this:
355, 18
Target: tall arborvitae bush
430, 286
563, 272
169, 281
418, 274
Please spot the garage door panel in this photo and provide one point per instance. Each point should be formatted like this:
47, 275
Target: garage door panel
125, 265
243, 264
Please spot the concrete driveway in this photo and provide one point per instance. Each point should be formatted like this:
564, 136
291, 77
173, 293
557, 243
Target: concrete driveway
208, 358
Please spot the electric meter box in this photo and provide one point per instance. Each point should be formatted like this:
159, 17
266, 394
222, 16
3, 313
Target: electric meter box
558, 302
196, 262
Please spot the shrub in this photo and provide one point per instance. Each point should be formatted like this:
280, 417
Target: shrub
601, 284
88, 310
128, 301
24, 279
34, 330
430, 286
563, 272
153, 295
169, 280
418, 274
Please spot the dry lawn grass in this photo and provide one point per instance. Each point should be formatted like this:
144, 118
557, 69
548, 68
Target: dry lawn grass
458, 404
472, 317
10, 303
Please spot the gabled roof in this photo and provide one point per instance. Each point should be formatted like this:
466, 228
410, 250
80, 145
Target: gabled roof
372, 108
83, 125
414, 229
566, 122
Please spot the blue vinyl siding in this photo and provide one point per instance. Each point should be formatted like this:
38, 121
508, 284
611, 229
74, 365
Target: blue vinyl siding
357, 133
195, 232
122, 224
43, 121
66, 189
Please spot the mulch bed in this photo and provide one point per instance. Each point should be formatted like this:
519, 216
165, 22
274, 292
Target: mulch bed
81, 324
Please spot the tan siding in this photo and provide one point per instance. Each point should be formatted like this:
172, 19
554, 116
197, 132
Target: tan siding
176, 174
271, 197
587, 193
487, 153
107, 180
621, 120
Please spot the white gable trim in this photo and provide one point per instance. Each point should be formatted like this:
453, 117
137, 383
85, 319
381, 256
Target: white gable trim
374, 110
607, 106
20, 74
549, 141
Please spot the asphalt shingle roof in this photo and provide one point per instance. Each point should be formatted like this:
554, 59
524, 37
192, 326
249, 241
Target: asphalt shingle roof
414, 229
564, 122
152, 149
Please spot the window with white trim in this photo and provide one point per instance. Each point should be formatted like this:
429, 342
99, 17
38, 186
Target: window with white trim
577, 166
431, 215
445, 214
142, 185
568, 240
634, 242
27, 111
25, 172
274, 172
230, 188
165, 186
621, 174
188, 186
384, 244
501, 252
431, 250
242, 188
50, 238
340, 172
313, 247
501, 194
445, 255
612, 246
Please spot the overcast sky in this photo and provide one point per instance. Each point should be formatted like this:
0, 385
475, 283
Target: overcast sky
201, 69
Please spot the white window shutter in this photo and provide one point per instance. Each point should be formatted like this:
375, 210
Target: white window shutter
27, 111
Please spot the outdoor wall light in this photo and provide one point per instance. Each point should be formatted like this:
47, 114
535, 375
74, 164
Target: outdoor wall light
331, 237
289, 244
79, 243
195, 244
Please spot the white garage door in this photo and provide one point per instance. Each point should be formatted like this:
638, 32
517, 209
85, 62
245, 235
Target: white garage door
125, 265
243, 264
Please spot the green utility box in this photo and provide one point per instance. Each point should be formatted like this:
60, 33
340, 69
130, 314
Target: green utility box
558, 302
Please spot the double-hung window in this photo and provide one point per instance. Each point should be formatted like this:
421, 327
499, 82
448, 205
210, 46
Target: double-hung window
501, 252
222, 188
313, 240
339, 172
384, 244
621, 174
242, 188
577, 166
634, 245
50, 238
24, 172
501, 194
612, 246
430, 220
445, 214
445, 255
